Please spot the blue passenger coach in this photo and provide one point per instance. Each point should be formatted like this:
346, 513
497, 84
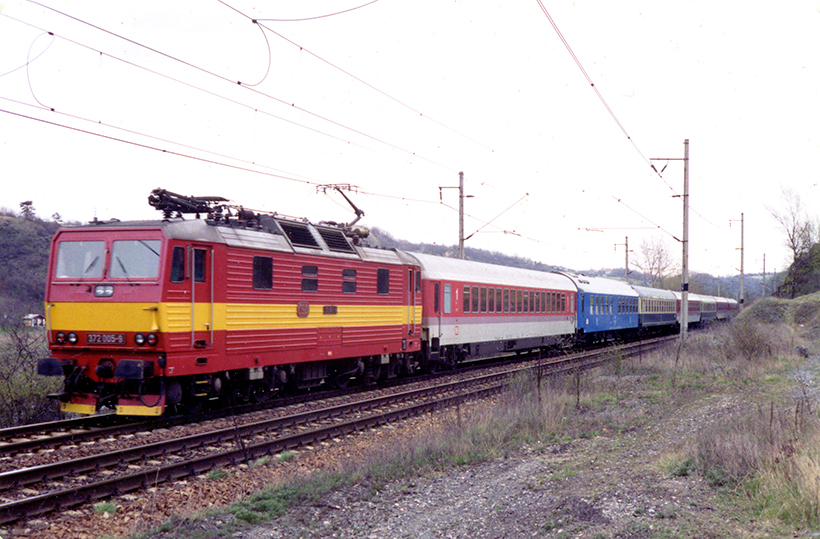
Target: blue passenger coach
606, 308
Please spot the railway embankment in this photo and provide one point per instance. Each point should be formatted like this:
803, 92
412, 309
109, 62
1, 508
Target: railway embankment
717, 439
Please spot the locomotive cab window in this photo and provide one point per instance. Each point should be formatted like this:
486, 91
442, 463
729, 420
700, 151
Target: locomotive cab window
135, 259
178, 265
262, 273
80, 259
199, 265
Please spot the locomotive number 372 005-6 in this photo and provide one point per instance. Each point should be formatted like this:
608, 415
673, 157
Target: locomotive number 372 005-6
105, 338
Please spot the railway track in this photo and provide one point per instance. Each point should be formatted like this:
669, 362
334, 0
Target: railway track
38, 489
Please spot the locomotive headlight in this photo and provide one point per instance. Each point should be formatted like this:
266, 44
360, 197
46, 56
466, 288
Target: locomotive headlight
139, 338
151, 339
103, 290
72, 338
59, 338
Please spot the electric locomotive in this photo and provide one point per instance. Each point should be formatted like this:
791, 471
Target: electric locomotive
145, 316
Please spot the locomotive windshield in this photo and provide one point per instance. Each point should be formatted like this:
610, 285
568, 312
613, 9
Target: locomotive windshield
80, 259
132, 259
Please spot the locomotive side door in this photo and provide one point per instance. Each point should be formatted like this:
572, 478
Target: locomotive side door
201, 259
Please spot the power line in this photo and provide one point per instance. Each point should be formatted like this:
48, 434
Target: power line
320, 16
354, 77
598, 92
240, 83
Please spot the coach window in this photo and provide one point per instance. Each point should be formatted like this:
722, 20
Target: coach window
491, 300
383, 281
466, 308
563, 302
349, 281
532, 301
262, 273
519, 301
483, 299
178, 265
447, 298
499, 300
310, 278
526, 301
474, 304
436, 299
506, 300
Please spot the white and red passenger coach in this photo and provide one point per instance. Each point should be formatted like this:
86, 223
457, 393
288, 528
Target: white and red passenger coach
473, 310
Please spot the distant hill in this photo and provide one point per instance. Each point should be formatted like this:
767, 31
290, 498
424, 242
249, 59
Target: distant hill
24, 245
382, 238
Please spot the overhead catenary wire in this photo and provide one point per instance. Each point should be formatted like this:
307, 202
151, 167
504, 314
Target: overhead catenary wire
255, 164
206, 91
326, 15
597, 91
248, 87
606, 105
354, 77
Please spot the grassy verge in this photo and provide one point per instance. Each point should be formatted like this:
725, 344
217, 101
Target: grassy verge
762, 455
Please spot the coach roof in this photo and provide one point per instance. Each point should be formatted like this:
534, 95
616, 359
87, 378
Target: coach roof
454, 269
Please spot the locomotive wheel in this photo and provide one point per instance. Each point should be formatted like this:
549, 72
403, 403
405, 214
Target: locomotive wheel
341, 381
173, 393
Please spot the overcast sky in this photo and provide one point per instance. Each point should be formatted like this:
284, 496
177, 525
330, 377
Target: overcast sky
397, 97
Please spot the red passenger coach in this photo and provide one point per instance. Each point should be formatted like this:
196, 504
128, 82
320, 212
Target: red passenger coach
148, 315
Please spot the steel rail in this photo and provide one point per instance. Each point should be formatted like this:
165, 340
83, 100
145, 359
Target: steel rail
43, 503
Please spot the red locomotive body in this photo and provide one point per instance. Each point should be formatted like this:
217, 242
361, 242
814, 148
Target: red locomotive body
142, 316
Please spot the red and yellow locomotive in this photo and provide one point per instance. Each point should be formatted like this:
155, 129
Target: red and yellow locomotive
143, 316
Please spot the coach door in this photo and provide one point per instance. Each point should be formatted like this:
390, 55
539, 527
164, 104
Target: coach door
435, 320
413, 300
202, 291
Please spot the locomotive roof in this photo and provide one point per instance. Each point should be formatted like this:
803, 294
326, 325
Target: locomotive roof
455, 269
600, 285
325, 241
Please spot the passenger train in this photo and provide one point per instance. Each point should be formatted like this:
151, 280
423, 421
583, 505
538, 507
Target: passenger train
155, 316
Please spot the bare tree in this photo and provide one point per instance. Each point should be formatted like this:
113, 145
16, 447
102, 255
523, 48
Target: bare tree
800, 230
655, 262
